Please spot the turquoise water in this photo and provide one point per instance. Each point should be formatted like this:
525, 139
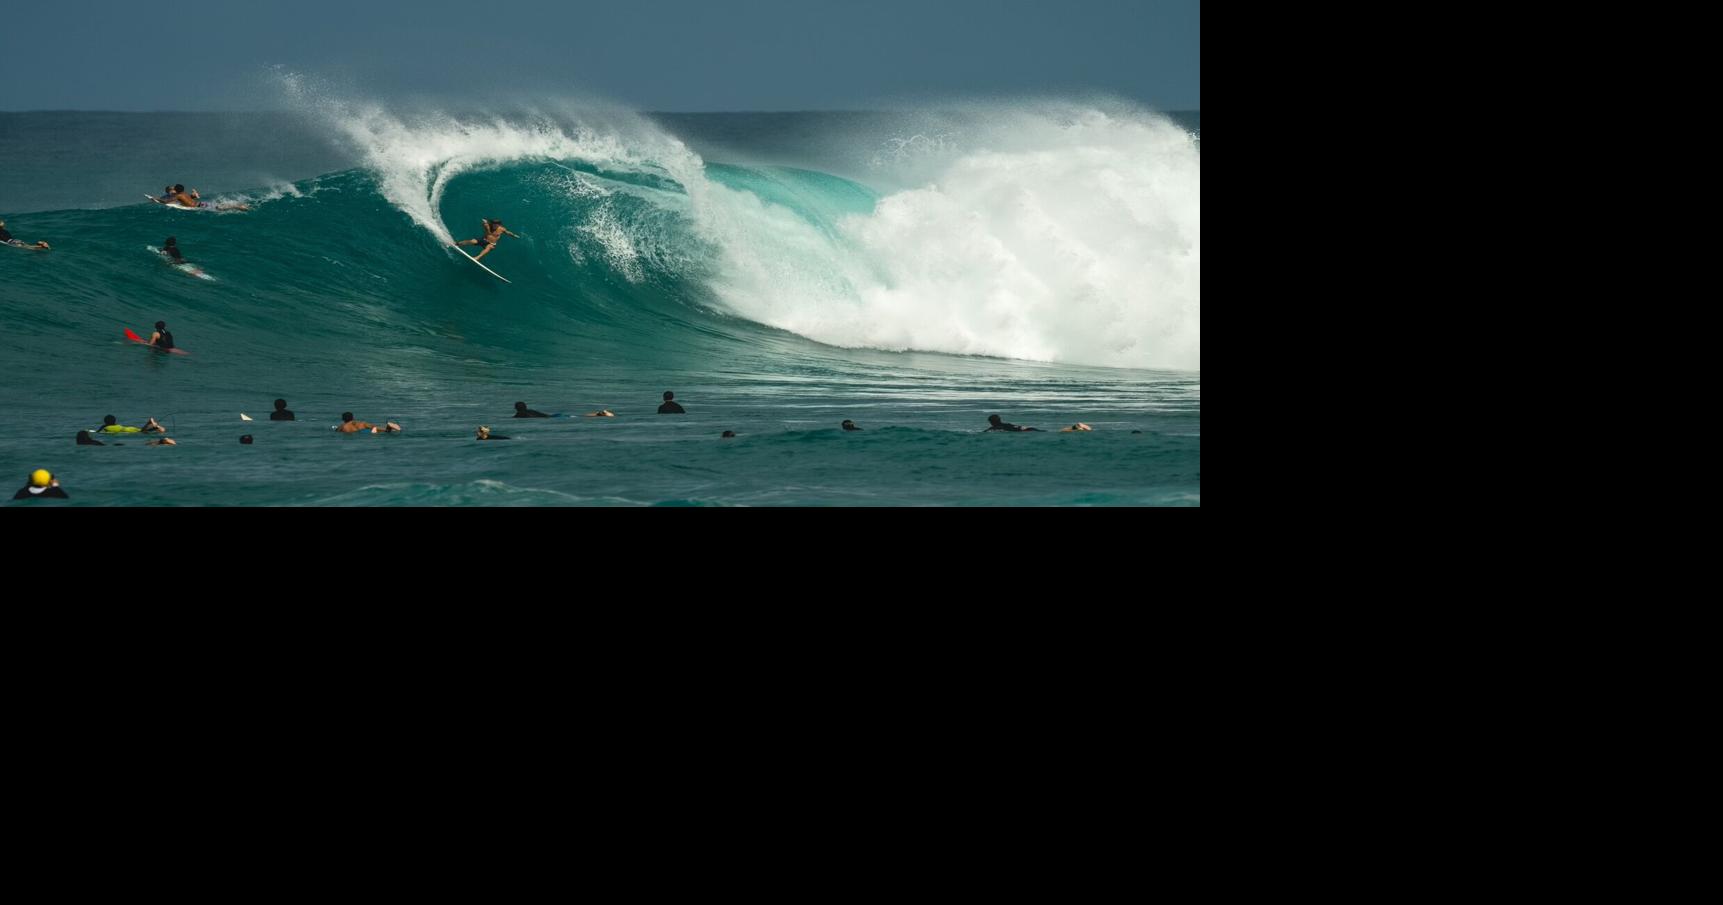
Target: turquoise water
779, 274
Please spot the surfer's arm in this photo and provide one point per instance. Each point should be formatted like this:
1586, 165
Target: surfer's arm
511, 232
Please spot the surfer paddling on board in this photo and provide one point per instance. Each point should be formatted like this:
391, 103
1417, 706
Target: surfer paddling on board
350, 426
179, 197
494, 232
6, 239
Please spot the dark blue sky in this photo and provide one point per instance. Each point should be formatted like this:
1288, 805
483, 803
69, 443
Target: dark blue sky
670, 55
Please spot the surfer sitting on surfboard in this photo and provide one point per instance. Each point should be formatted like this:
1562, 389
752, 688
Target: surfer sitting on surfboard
171, 249
162, 339
493, 234
6, 239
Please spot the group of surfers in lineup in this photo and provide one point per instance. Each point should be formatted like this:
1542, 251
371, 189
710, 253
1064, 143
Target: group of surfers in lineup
42, 483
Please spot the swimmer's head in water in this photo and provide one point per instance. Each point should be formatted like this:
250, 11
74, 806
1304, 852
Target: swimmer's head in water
280, 404
729, 435
109, 419
669, 395
41, 477
484, 432
993, 419
520, 406
246, 439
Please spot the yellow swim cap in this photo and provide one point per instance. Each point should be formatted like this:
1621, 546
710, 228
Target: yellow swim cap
41, 478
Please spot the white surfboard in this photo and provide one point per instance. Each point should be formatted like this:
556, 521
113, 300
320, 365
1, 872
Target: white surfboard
188, 268
481, 264
176, 206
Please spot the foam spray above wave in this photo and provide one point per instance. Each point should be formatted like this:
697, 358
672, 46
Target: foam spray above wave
414, 157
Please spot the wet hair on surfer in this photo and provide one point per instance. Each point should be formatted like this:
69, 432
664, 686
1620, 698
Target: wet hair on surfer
993, 419
109, 419
280, 404
171, 242
161, 325
346, 417
246, 439
178, 187
669, 395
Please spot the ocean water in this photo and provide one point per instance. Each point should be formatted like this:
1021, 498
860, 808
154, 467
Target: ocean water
912, 271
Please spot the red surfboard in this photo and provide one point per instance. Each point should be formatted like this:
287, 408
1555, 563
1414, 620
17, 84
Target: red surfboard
138, 339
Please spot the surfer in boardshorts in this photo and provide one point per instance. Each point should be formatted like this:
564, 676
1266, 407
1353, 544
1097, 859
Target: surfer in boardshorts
180, 197
494, 232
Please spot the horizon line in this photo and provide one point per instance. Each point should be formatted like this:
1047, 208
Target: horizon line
642, 112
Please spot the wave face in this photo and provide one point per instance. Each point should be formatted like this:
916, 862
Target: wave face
1038, 257
1042, 232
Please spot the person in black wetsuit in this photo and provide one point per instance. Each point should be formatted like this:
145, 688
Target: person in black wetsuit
161, 339
84, 439
850, 426
281, 413
171, 249
669, 407
7, 239
485, 434
998, 425
521, 411
41, 484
